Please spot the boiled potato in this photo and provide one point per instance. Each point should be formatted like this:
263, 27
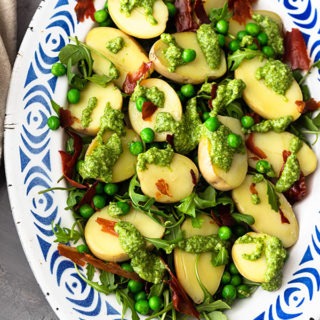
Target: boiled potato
185, 262
253, 270
169, 184
124, 168
273, 144
106, 246
137, 24
216, 176
110, 94
266, 219
263, 100
194, 72
128, 59
172, 105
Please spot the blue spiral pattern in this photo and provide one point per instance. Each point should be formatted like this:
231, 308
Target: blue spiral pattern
36, 168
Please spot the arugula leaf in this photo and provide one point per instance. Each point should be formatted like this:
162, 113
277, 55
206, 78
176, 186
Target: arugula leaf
235, 59
56, 108
213, 306
65, 235
273, 198
188, 205
241, 217
90, 271
107, 279
124, 299
101, 80
216, 315
220, 257
220, 13
73, 197
206, 199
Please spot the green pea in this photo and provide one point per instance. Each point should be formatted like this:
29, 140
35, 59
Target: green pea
100, 188
252, 28
86, 211
142, 307
229, 292
226, 277
263, 166
212, 124
127, 267
140, 296
147, 135
73, 95
188, 55
236, 280
123, 206
135, 286
82, 248
188, 90
221, 40
234, 45
206, 115
53, 122
58, 69
243, 291
234, 140
99, 201
247, 122
155, 303
222, 26
263, 38
224, 233
171, 9
101, 15
111, 189
241, 34
106, 23
136, 147
139, 103
268, 51
233, 269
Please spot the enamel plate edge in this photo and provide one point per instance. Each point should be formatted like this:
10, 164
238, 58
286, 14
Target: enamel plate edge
31, 154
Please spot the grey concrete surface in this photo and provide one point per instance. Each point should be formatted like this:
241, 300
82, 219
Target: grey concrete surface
21, 297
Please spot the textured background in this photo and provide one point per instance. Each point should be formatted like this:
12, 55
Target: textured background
21, 297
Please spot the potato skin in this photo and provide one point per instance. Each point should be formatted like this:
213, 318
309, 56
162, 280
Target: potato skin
185, 262
266, 219
194, 72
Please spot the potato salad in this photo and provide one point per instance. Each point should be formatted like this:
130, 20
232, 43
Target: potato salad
187, 128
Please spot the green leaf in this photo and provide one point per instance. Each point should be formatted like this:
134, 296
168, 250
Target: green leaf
206, 199
123, 297
188, 205
101, 80
235, 59
273, 197
220, 13
90, 271
65, 235
74, 196
220, 257
216, 315
213, 306
316, 120
107, 279
56, 108
241, 217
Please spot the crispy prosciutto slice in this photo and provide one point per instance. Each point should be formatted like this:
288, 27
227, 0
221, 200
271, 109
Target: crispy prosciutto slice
82, 258
296, 53
242, 9
183, 18
84, 9
200, 12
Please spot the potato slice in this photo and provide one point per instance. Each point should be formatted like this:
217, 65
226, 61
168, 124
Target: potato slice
282, 224
110, 94
169, 184
194, 72
106, 246
263, 100
185, 262
216, 176
273, 144
172, 105
253, 270
128, 59
124, 168
137, 24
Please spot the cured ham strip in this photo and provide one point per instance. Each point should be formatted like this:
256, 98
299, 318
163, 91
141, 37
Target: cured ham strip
107, 226
84, 9
242, 9
253, 148
81, 259
183, 18
200, 12
148, 109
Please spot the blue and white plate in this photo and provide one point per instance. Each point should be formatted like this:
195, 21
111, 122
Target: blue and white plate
33, 164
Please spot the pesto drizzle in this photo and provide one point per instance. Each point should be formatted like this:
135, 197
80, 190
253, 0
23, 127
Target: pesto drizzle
87, 111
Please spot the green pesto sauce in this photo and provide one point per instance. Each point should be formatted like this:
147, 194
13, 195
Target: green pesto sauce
160, 157
295, 144
271, 28
275, 255
277, 125
173, 53
115, 45
221, 153
112, 119
153, 94
276, 76
146, 264
99, 164
226, 93
290, 174
255, 199
246, 41
114, 211
200, 244
186, 133
209, 43
87, 111
126, 7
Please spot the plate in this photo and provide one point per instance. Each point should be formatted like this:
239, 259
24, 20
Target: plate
33, 164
